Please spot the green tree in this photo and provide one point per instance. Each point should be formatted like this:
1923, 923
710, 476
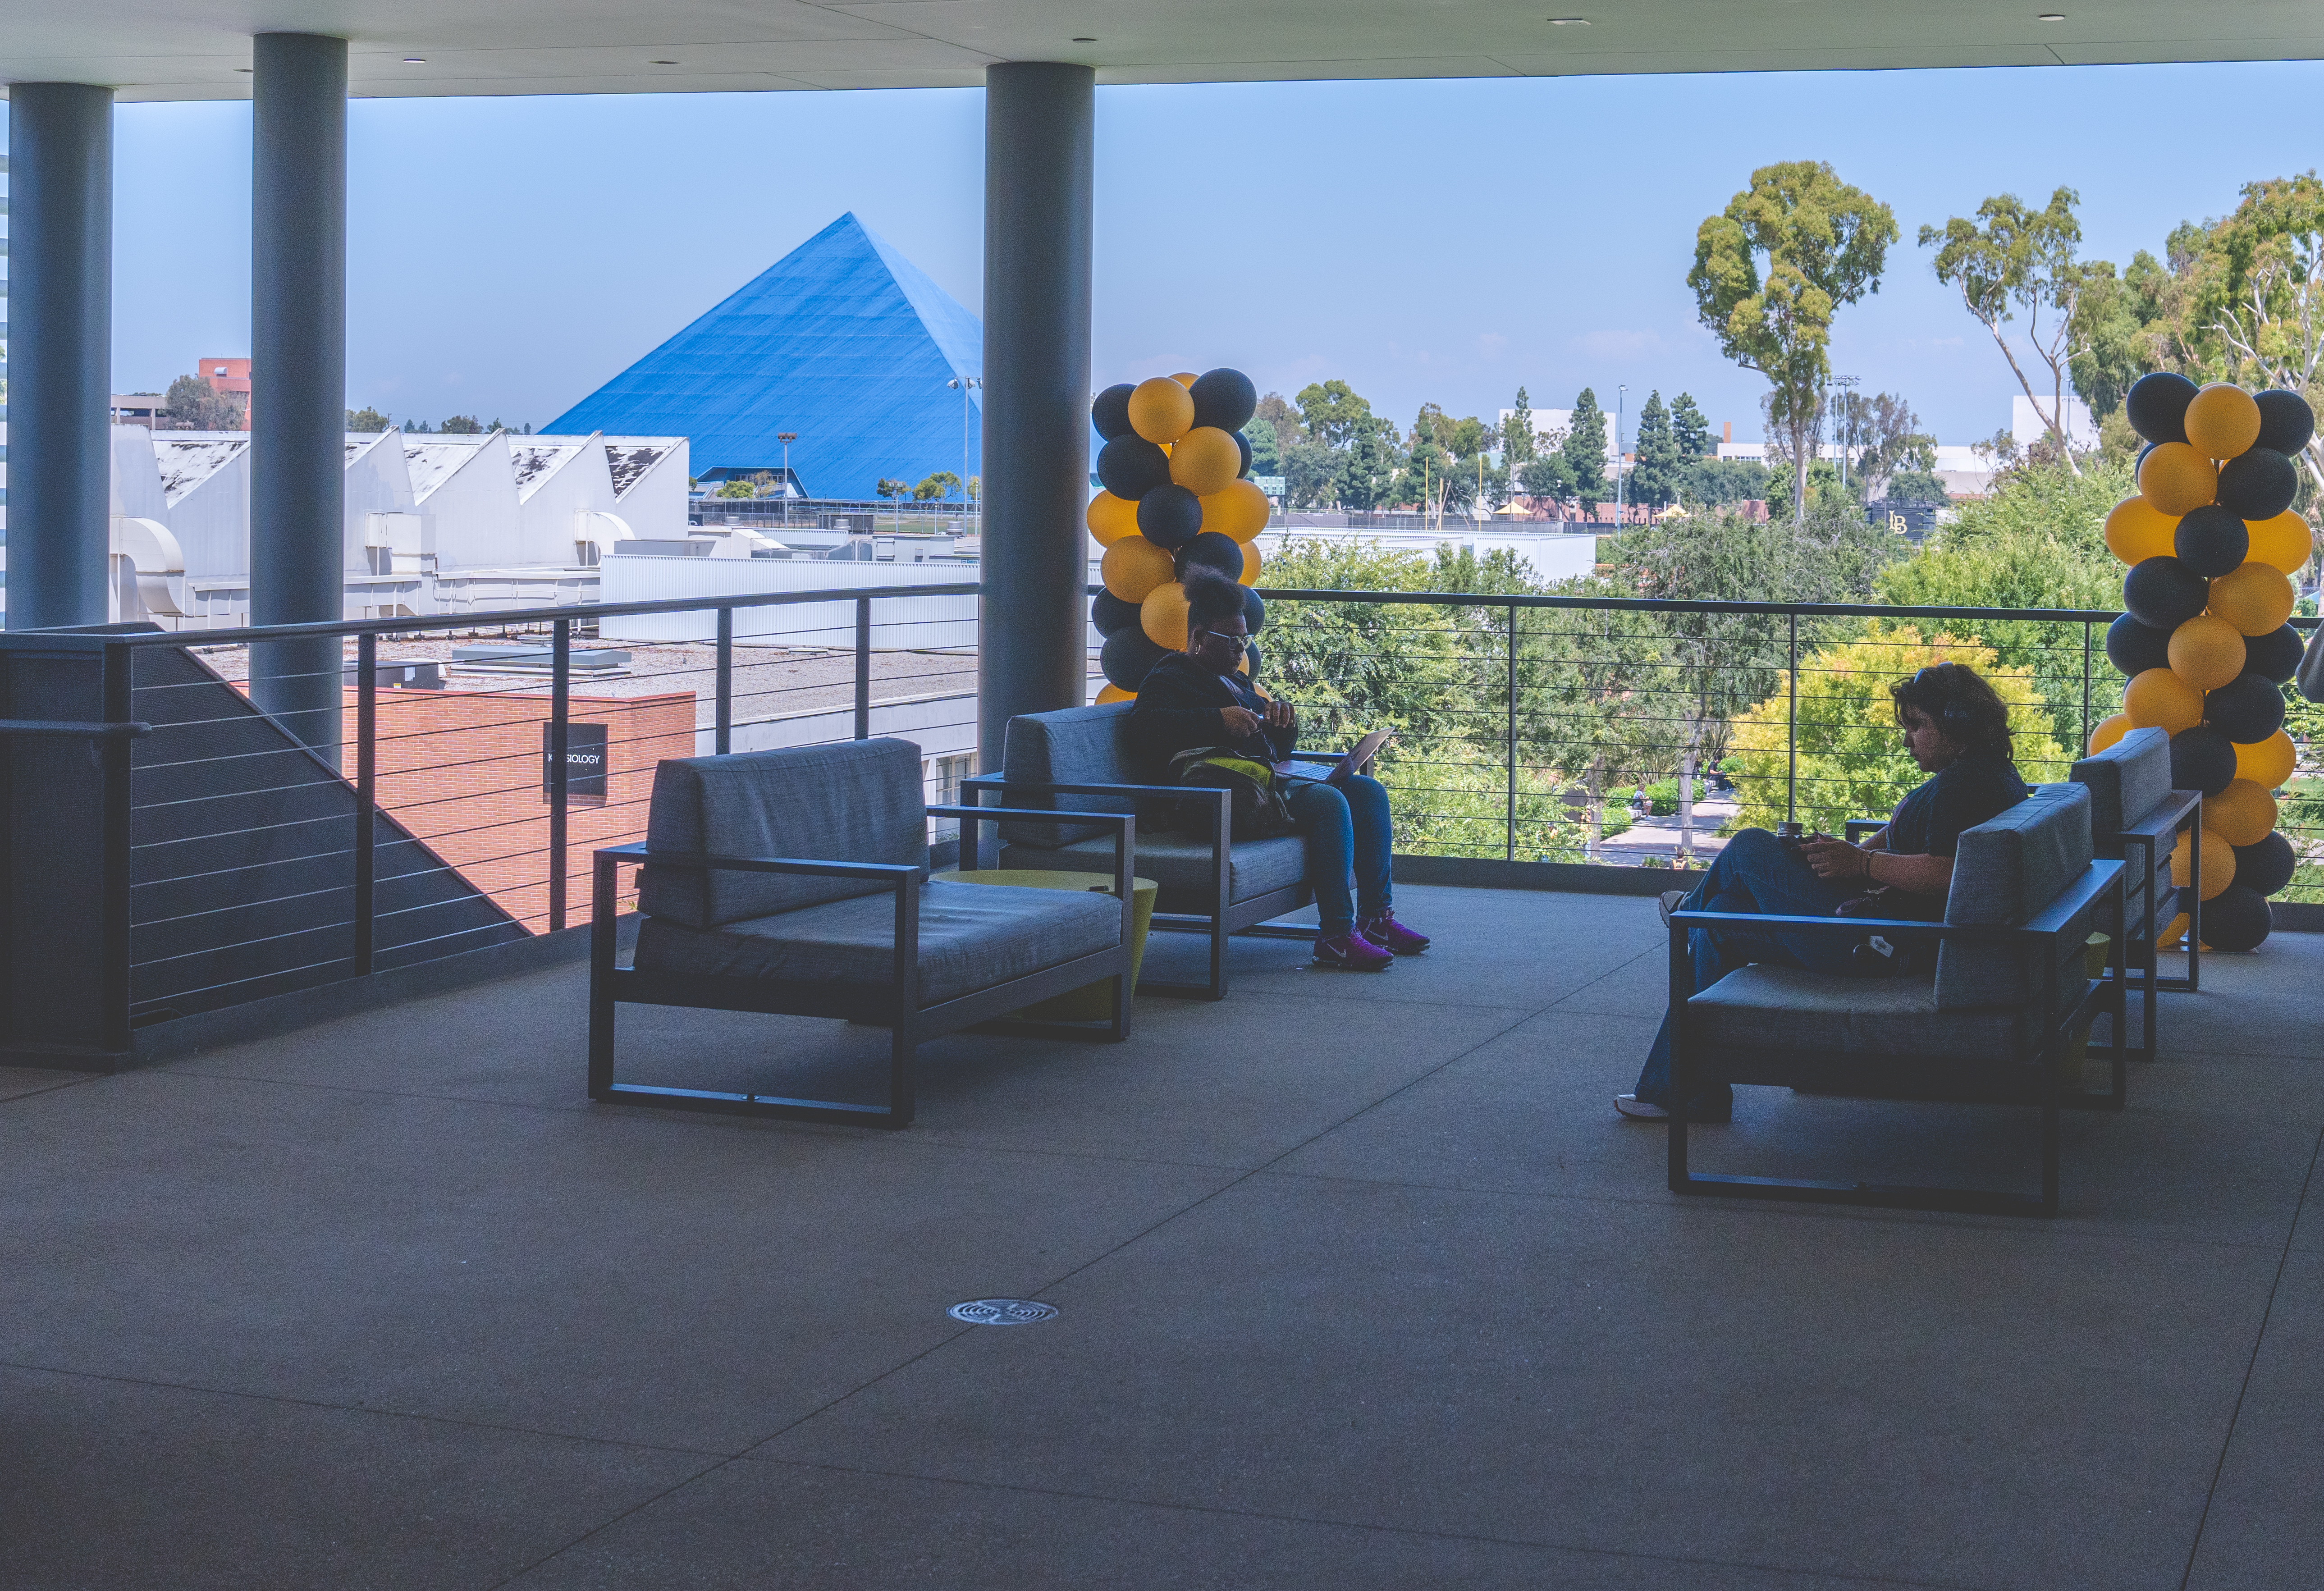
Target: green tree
1711, 482
1546, 478
2120, 324
1311, 473
463, 425
2253, 311
1655, 478
364, 422
2020, 259
1585, 453
1772, 268
1517, 432
1265, 460
935, 487
889, 488
192, 404
1890, 437
1367, 468
1331, 412
1689, 429
737, 487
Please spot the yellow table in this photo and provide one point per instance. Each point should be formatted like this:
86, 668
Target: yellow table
1093, 1002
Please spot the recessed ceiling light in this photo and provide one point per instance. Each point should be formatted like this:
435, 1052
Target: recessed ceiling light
1078, 40
241, 68
415, 60
661, 63
1568, 22
2052, 16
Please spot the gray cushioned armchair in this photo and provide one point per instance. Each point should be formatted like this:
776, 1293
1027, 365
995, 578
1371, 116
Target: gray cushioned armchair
796, 882
2136, 816
1214, 885
1996, 1023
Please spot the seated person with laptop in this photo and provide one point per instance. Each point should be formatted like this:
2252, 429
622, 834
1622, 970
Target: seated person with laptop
1193, 701
1957, 730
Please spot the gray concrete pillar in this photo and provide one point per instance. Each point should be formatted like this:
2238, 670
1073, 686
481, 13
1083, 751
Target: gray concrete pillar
1039, 142
60, 375
299, 371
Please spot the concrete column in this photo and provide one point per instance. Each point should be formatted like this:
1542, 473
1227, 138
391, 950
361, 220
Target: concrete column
1039, 142
299, 371
60, 300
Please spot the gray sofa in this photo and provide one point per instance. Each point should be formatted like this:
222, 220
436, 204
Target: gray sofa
796, 882
1997, 1022
1213, 885
2136, 816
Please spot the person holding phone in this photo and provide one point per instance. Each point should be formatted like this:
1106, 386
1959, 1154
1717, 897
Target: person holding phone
1957, 731
1195, 698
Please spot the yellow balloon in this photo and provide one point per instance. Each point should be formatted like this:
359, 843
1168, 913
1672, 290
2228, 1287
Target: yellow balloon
1186, 378
1251, 563
1110, 518
2207, 652
2256, 598
1205, 461
1239, 511
2282, 543
2173, 933
1242, 665
1114, 693
2156, 698
2175, 479
2222, 421
2267, 763
2136, 530
2218, 861
1133, 566
2110, 731
1163, 616
2242, 814
1161, 410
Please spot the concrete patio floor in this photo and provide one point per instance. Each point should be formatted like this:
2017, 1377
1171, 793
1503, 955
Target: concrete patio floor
1361, 1284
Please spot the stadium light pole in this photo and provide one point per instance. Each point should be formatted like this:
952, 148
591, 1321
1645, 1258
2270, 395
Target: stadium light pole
1621, 503
965, 383
786, 439
1844, 422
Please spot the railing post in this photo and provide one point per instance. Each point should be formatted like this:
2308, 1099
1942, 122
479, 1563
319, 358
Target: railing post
1511, 849
724, 742
863, 668
366, 796
2085, 692
1792, 724
560, 694
115, 678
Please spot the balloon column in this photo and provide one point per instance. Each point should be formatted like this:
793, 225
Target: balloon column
2212, 543
1178, 492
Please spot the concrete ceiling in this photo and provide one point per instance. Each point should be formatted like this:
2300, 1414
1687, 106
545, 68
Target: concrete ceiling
191, 48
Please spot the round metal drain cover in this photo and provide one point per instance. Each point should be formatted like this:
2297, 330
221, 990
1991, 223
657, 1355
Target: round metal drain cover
1002, 1312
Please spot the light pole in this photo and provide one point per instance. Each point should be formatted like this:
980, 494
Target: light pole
966, 383
786, 439
1621, 508
1844, 422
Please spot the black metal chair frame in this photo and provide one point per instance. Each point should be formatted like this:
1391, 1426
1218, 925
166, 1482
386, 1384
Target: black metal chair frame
896, 1006
1251, 918
2029, 1078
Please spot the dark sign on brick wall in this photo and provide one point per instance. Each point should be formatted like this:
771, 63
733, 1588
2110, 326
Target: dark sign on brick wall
584, 763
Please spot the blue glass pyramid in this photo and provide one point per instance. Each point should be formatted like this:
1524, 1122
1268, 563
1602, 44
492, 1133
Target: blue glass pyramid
843, 341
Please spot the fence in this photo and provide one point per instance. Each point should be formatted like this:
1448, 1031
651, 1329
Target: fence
452, 801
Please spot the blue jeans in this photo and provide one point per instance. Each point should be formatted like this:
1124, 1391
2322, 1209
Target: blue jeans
1753, 874
1347, 829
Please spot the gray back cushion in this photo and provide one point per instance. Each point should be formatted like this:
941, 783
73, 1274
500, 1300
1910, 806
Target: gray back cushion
859, 801
2126, 781
1072, 746
2008, 869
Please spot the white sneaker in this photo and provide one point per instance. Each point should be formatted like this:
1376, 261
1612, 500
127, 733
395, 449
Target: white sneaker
1669, 903
1638, 1110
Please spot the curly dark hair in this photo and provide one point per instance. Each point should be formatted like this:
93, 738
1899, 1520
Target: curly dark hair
1960, 702
1210, 597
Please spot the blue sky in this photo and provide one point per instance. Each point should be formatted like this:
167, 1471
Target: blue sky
1423, 241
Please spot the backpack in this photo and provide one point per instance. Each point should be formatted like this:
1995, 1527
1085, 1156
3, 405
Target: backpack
1259, 812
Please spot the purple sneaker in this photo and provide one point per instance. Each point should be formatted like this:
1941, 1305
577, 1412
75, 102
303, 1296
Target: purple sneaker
1351, 953
1392, 936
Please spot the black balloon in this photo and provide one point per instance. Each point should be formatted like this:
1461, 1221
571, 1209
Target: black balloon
2285, 420
2141, 459
1224, 399
2157, 406
2164, 592
2258, 484
1243, 443
1254, 612
2236, 919
2201, 759
1251, 650
1109, 411
2211, 540
1131, 466
2266, 868
1110, 613
2274, 655
2135, 648
1213, 551
1169, 516
1128, 656
2247, 710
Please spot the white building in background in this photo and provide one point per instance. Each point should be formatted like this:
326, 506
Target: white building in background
431, 523
2025, 424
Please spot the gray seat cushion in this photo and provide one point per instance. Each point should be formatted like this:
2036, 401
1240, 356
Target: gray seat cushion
1072, 746
859, 801
1181, 866
972, 937
1790, 1009
2006, 869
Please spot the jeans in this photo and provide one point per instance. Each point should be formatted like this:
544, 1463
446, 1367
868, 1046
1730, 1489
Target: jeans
1347, 829
1753, 874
